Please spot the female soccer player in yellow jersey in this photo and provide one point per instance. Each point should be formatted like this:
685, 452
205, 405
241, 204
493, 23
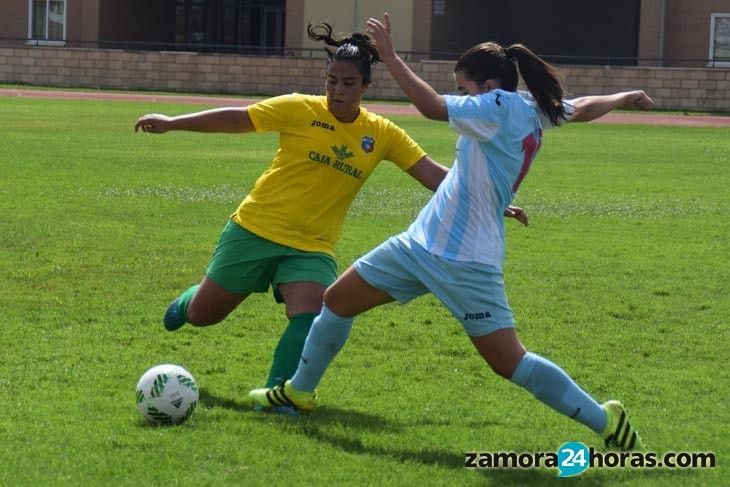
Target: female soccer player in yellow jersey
283, 234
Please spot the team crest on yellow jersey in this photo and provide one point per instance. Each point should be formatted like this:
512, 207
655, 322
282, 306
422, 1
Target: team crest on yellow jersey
368, 144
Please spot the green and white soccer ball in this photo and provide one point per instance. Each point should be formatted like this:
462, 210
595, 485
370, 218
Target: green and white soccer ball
167, 394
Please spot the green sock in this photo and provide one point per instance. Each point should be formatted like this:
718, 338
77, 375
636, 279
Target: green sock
289, 349
184, 300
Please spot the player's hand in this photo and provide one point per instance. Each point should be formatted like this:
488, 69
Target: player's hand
638, 100
154, 123
380, 32
517, 213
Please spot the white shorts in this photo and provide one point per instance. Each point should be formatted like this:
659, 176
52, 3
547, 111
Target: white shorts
473, 292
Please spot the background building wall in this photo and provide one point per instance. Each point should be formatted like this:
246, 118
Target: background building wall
82, 21
577, 28
14, 19
136, 21
651, 31
677, 30
421, 35
294, 24
672, 88
688, 28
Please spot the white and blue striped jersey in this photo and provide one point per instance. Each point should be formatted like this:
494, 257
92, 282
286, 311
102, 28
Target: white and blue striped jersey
500, 133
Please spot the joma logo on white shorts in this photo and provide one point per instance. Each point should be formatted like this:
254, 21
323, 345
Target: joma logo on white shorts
477, 316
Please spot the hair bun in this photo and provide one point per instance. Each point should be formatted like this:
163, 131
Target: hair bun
357, 47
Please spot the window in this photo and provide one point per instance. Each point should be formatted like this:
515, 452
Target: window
250, 26
439, 7
47, 20
720, 40
190, 21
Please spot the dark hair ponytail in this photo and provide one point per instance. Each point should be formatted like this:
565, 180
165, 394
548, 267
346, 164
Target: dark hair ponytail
542, 79
357, 48
489, 60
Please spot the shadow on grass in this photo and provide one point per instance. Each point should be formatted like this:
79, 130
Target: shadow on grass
212, 401
316, 428
338, 428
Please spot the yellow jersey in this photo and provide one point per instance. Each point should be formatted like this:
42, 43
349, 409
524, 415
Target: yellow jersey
302, 199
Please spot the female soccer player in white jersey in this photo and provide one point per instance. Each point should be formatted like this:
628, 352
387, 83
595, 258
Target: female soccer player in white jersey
455, 247
283, 234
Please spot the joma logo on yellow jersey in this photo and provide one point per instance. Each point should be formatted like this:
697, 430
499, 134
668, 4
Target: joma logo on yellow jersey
324, 125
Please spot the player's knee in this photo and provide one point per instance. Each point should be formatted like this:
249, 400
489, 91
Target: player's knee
505, 366
310, 305
338, 302
502, 370
333, 296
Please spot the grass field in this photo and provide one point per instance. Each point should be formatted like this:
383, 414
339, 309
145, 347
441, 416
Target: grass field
621, 278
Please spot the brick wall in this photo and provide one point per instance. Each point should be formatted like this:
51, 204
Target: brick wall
672, 88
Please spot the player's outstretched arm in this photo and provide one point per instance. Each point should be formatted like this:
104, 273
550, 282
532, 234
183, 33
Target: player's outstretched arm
589, 108
224, 120
429, 103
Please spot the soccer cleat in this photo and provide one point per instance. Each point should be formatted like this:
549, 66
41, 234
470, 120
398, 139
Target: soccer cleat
174, 319
285, 395
619, 433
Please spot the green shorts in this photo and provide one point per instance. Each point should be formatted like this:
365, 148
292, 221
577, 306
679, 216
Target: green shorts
244, 263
